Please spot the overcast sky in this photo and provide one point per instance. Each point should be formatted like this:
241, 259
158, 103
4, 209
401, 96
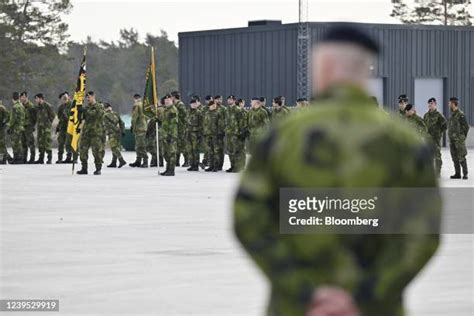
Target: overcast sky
103, 19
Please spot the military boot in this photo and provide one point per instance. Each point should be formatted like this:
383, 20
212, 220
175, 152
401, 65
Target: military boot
145, 162
169, 171
122, 163
135, 164
457, 169
3, 160
98, 168
32, 157
161, 162
113, 164
194, 167
60, 158
154, 162
9, 159
50, 157
186, 162
464, 169
68, 158
40, 160
177, 159
83, 169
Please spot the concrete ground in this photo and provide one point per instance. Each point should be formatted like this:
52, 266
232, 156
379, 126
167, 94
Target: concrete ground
132, 243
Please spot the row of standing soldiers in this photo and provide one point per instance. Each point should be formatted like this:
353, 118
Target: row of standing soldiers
213, 127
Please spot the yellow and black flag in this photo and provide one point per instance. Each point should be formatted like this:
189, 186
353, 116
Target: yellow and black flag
150, 97
78, 101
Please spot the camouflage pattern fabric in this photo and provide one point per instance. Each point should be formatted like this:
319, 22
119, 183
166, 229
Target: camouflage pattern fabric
235, 133
114, 127
343, 142
28, 133
182, 147
220, 141
257, 121
45, 117
436, 125
92, 134
169, 132
418, 123
4, 119
64, 142
139, 127
210, 130
17, 127
194, 133
279, 112
457, 133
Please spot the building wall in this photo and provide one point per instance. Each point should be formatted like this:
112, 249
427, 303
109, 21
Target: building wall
261, 60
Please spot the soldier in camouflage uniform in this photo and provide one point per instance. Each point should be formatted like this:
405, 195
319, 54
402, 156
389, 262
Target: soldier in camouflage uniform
436, 125
182, 116
44, 118
92, 133
16, 129
457, 134
169, 132
151, 146
4, 119
341, 142
139, 127
210, 131
415, 120
235, 133
194, 129
28, 133
114, 128
64, 139
205, 108
257, 119
402, 103
279, 108
220, 138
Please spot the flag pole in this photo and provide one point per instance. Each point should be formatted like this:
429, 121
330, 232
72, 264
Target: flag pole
79, 136
155, 99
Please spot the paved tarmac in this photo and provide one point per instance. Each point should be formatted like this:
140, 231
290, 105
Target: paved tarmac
133, 243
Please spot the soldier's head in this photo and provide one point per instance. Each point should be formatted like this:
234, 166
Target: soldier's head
345, 55
24, 97
231, 100
15, 96
194, 103
107, 107
162, 101
218, 99
176, 96
277, 102
64, 97
90, 97
402, 101
283, 99
256, 103
432, 104
39, 98
136, 97
168, 100
212, 105
409, 110
453, 103
263, 101
208, 99
241, 103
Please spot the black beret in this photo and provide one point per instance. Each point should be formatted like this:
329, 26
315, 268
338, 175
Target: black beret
107, 105
208, 97
231, 97
351, 34
192, 101
431, 100
136, 96
217, 96
167, 96
62, 94
454, 99
256, 99
409, 107
301, 100
39, 96
262, 99
196, 97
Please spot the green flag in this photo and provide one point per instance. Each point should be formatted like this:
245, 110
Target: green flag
150, 98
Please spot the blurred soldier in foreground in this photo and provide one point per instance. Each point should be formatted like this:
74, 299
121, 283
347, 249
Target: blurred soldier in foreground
339, 142
194, 129
28, 133
64, 139
139, 127
436, 125
16, 129
92, 133
4, 119
457, 134
169, 132
257, 119
235, 133
114, 128
44, 117
182, 124
416, 121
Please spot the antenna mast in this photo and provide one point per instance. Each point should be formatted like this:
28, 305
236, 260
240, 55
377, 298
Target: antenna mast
304, 44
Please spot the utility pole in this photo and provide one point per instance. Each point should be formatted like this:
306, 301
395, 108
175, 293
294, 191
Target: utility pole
304, 45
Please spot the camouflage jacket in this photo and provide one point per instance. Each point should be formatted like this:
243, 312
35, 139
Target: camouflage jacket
418, 123
169, 126
280, 112
92, 117
235, 121
17, 118
342, 143
4, 117
114, 126
195, 121
30, 115
44, 115
222, 113
436, 124
182, 116
257, 119
63, 116
211, 122
139, 123
457, 126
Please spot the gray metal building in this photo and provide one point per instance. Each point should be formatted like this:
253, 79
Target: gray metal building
261, 60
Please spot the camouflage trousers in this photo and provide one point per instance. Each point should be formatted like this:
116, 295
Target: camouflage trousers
28, 141
182, 147
64, 143
151, 145
3, 144
116, 146
458, 150
44, 139
16, 138
194, 142
219, 150
214, 151
436, 146
140, 145
96, 143
236, 151
170, 151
